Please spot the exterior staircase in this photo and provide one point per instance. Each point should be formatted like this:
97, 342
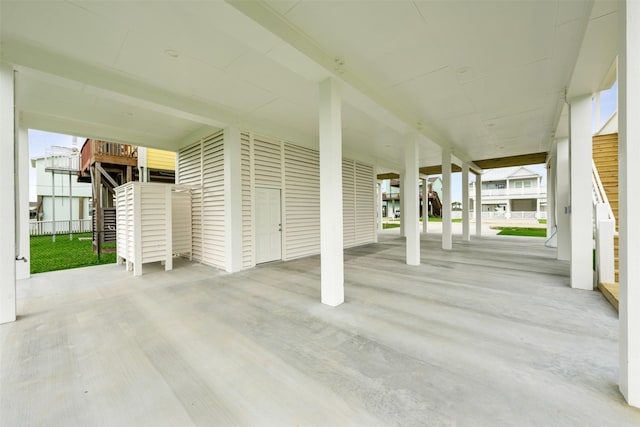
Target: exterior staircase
605, 157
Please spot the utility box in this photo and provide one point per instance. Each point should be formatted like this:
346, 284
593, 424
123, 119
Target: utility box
153, 224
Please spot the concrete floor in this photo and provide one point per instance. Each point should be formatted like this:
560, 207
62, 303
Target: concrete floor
488, 334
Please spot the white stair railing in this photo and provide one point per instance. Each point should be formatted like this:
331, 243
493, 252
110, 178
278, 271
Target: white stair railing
604, 231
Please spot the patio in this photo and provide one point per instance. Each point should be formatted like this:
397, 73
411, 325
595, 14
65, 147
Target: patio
486, 334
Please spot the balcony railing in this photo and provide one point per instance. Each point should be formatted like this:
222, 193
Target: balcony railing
108, 152
533, 191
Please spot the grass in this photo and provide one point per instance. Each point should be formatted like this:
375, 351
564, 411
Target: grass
435, 219
521, 231
390, 225
542, 221
64, 254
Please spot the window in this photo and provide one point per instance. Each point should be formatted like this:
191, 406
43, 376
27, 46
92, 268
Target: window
527, 184
500, 186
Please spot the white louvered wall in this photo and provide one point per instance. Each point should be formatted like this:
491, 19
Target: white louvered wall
365, 198
181, 222
267, 155
124, 223
302, 201
148, 214
358, 199
271, 163
348, 203
213, 241
202, 164
190, 173
247, 205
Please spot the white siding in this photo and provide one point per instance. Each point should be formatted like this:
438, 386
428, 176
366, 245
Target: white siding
365, 198
270, 163
348, 203
302, 201
267, 154
181, 222
190, 173
153, 222
213, 239
247, 202
202, 164
124, 223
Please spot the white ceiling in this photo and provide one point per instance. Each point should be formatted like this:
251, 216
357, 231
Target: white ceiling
485, 78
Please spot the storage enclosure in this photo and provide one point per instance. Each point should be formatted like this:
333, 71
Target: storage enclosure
279, 211
153, 223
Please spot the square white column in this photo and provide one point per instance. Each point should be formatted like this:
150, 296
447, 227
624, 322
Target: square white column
23, 267
233, 199
410, 212
581, 194
629, 188
331, 239
447, 242
466, 236
401, 203
8, 195
562, 200
425, 204
478, 205
551, 194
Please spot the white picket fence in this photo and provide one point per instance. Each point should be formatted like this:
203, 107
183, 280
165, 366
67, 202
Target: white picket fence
44, 228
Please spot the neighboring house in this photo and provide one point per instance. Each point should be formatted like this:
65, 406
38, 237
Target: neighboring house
56, 180
514, 192
391, 197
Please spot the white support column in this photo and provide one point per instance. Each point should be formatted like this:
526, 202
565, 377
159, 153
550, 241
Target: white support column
551, 194
629, 226
447, 242
331, 240
23, 264
379, 207
562, 200
425, 204
410, 212
581, 194
466, 236
233, 199
401, 203
7, 194
478, 205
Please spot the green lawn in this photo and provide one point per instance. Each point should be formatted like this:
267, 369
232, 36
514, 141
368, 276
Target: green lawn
521, 231
435, 219
542, 221
64, 254
390, 225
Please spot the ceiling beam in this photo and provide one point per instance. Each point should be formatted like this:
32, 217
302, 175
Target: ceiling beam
116, 86
503, 162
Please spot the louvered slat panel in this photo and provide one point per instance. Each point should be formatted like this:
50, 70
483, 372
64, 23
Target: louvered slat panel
212, 225
302, 201
267, 157
365, 204
181, 222
247, 221
190, 173
348, 203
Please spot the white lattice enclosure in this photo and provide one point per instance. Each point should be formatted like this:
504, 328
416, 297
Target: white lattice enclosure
153, 223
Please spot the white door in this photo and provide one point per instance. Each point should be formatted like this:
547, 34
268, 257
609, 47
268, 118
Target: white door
268, 225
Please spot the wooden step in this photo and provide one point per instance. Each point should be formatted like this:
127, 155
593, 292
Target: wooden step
611, 292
